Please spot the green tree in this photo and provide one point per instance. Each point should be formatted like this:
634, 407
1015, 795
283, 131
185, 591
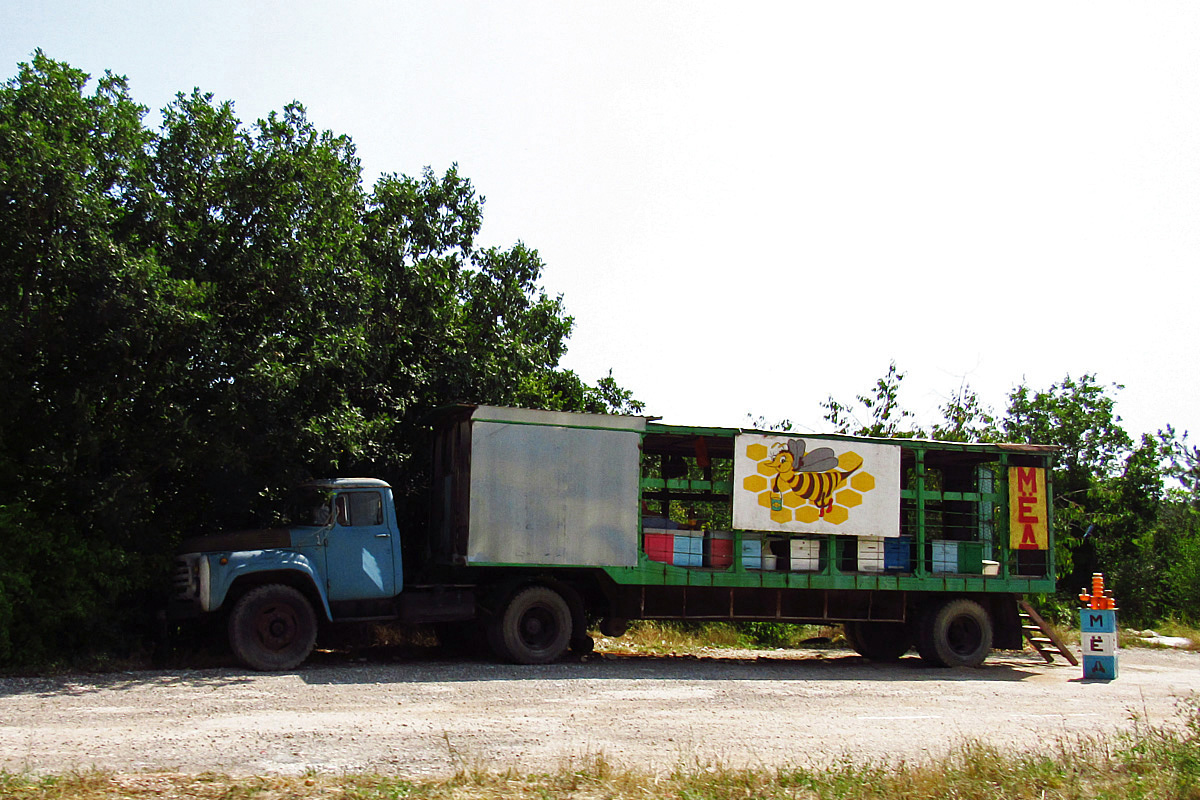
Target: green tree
264, 224
83, 306
1171, 552
875, 413
965, 418
198, 317
450, 322
1080, 416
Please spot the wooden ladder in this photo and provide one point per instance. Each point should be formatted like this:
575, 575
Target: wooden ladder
1042, 636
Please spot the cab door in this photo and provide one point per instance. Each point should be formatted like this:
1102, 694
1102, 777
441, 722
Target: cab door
358, 548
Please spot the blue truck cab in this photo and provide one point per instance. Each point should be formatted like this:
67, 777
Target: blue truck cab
340, 558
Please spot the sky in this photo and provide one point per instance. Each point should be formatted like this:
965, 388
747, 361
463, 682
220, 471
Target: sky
750, 208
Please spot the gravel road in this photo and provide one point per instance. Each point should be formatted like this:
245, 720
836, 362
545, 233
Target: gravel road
428, 717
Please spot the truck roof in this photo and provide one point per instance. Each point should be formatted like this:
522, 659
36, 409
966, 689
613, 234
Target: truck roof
349, 483
536, 416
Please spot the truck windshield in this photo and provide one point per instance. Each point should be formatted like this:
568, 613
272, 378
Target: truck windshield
310, 506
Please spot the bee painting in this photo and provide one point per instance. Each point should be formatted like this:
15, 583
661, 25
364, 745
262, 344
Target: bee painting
811, 475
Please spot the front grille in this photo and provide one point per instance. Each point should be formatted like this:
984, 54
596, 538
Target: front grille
185, 578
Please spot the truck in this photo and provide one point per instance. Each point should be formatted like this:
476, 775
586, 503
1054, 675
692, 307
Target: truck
544, 525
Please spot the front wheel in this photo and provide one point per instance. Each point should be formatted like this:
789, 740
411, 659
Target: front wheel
957, 633
272, 627
534, 628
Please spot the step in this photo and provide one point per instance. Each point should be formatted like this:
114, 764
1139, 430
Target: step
1032, 624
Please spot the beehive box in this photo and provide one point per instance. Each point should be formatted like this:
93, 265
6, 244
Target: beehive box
659, 544
870, 554
718, 549
965, 558
689, 549
970, 558
944, 557
897, 554
805, 555
751, 551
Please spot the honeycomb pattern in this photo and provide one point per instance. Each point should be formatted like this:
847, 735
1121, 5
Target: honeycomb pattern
829, 495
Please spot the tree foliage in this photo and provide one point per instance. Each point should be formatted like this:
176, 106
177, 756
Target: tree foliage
878, 412
1113, 510
200, 315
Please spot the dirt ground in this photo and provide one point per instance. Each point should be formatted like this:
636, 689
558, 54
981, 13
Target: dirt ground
429, 717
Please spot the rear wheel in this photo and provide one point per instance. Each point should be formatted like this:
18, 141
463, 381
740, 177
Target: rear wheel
957, 633
272, 627
879, 641
535, 627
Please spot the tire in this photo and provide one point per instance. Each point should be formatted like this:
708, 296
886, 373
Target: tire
272, 628
879, 641
957, 633
614, 626
535, 627
582, 645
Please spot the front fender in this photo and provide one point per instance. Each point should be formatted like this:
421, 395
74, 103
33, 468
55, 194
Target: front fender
224, 569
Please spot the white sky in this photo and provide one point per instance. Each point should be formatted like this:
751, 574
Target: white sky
749, 208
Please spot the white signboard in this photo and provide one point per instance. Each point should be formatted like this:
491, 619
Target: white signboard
806, 484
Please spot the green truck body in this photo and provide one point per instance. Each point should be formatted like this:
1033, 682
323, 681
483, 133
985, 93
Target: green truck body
544, 523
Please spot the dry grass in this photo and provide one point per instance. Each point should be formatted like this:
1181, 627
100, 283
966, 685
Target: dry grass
652, 637
1158, 763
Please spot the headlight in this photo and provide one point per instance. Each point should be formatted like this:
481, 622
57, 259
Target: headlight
204, 584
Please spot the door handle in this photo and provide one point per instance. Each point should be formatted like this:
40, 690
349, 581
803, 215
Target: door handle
383, 536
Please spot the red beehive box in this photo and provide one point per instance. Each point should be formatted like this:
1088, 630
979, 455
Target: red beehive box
659, 545
719, 549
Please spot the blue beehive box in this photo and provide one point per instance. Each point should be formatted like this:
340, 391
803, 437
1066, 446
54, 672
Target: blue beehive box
689, 549
751, 551
897, 554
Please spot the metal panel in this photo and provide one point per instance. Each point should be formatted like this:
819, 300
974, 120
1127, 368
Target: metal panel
552, 494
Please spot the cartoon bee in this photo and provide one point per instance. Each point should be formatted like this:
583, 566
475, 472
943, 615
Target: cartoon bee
813, 476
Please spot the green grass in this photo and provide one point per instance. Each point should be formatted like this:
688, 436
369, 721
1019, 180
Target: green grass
653, 637
1150, 762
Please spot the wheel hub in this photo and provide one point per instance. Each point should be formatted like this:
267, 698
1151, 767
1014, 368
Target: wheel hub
277, 627
963, 635
537, 627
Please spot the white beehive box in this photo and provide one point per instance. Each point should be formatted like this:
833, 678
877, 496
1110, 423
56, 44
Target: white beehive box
870, 554
805, 555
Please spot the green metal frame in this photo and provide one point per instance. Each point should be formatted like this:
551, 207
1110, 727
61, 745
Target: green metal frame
655, 573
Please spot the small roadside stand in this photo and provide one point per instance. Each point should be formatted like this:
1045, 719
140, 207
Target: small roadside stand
1098, 631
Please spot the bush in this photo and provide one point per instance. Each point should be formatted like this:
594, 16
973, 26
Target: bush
60, 592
